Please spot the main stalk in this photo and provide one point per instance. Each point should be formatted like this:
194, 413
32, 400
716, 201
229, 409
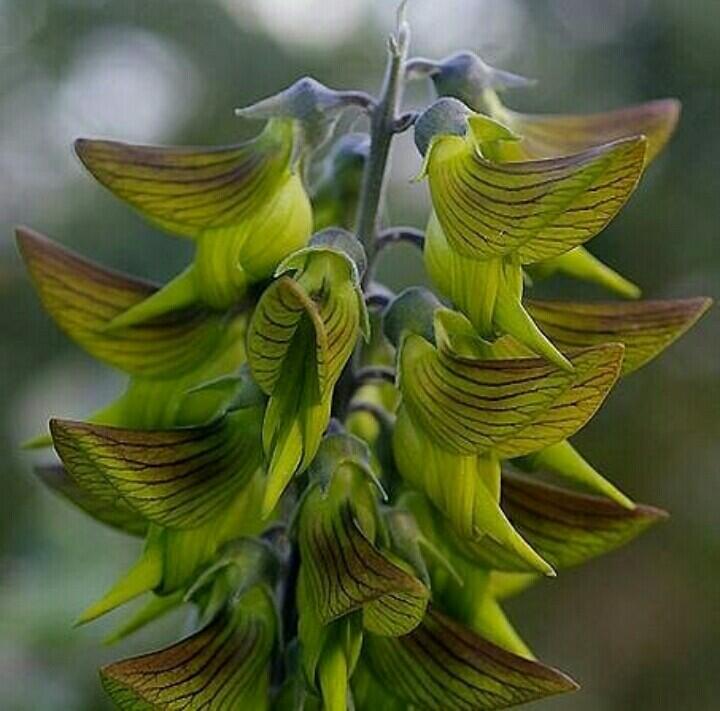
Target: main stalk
385, 122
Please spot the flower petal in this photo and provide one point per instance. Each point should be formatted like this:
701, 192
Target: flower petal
278, 314
645, 328
84, 298
191, 190
109, 510
223, 666
345, 572
179, 478
508, 407
443, 665
532, 210
565, 527
547, 135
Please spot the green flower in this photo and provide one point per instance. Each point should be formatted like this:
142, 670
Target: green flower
351, 581
645, 329
195, 488
302, 333
490, 219
462, 413
471, 577
167, 358
466, 77
244, 206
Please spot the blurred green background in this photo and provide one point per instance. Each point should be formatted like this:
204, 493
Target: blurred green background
639, 629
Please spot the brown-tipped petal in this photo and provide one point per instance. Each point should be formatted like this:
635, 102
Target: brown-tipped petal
180, 478
443, 665
645, 328
111, 511
547, 135
84, 298
223, 666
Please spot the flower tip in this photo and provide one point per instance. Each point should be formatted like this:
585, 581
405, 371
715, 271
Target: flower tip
40, 441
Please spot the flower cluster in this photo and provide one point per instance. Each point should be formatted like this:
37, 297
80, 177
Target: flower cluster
329, 473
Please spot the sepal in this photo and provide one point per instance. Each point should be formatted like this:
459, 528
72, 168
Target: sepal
313, 107
465, 76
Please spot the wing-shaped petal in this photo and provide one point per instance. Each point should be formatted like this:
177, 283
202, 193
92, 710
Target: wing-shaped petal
84, 298
532, 210
504, 406
191, 190
347, 572
108, 510
223, 666
566, 527
645, 328
177, 478
548, 135
443, 665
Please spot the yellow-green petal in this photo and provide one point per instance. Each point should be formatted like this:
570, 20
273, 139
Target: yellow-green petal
109, 509
190, 190
345, 571
566, 527
181, 478
443, 665
532, 210
226, 665
645, 328
508, 407
83, 298
549, 135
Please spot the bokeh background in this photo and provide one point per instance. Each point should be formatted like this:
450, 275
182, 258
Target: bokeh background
641, 628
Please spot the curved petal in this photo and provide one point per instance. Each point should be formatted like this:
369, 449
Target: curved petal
225, 665
508, 407
84, 298
188, 191
645, 328
345, 572
567, 528
532, 210
180, 478
284, 304
109, 510
443, 665
547, 135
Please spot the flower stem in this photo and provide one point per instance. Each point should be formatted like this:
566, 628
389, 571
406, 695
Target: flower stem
384, 125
